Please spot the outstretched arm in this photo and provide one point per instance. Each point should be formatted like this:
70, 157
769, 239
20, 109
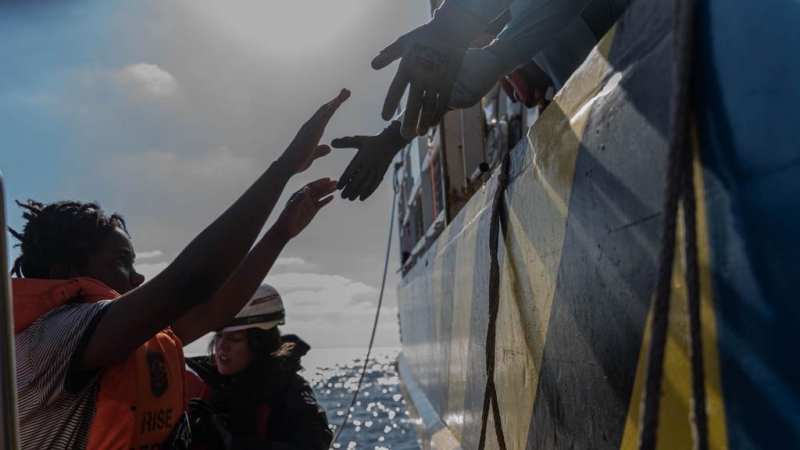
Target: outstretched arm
234, 295
532, 28
208, 261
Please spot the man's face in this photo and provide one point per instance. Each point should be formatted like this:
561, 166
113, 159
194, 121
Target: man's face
112, 263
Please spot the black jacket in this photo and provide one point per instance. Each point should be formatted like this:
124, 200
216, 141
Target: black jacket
296, 421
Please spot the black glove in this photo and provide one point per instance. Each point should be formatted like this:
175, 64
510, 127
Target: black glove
431, 58
375, 153
206, 427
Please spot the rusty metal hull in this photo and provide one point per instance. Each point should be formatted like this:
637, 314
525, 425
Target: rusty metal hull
579, 258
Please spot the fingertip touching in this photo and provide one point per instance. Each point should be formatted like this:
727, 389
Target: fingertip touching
323, 150
345, 142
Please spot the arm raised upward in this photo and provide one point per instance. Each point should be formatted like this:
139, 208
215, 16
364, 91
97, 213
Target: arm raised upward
203, 267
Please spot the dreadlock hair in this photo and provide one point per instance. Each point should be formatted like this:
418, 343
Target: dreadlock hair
65, 232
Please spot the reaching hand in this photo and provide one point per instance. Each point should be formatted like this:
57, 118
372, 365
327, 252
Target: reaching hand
305, 147
303, 205
431, 58
375, 153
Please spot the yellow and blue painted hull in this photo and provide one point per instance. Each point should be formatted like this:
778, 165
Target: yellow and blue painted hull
579, 252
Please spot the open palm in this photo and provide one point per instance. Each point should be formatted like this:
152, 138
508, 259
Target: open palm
305, 147
304, 204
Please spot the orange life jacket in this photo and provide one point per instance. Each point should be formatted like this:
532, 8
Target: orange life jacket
140, 399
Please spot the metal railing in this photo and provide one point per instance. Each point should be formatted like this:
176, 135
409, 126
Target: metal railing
9, 429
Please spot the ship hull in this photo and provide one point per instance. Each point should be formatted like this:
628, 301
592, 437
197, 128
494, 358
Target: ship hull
582, 228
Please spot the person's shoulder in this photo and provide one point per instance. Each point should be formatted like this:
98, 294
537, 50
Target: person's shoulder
77, 306
71, 315
300, 388
291, 379
47, 349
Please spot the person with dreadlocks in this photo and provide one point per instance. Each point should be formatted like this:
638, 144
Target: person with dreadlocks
248, 394
99, 354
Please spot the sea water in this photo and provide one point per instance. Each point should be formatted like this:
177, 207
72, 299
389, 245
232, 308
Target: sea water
379, 419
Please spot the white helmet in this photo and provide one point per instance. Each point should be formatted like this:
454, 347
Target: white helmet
264, 310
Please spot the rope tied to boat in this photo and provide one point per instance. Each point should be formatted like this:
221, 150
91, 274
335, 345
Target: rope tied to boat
490, 394
679, 189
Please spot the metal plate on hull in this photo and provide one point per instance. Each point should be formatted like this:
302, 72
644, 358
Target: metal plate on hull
579, 262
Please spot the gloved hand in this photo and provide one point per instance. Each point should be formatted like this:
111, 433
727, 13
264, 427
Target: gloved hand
206, 427
431, 58
375, 153
481, 70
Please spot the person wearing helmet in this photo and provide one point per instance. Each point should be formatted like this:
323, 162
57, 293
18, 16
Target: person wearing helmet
251, 396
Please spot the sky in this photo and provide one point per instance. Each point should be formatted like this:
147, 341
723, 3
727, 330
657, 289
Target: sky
166, 111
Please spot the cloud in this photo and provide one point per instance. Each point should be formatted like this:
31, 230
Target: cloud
324, 334
332, 310
315, 282
148, 255
167, 168
150, 79
162, 183
174, 139
290, 261
329, 311
308, 295
151, 270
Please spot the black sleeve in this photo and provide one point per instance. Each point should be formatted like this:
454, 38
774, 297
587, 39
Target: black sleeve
304, 425
307, 417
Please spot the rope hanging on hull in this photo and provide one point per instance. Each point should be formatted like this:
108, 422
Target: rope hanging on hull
679, 189
490, 395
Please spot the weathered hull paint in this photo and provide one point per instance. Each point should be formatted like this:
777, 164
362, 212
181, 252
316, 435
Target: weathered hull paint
579, 258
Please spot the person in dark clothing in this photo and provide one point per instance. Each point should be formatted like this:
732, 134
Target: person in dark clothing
300, 349
251, 396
